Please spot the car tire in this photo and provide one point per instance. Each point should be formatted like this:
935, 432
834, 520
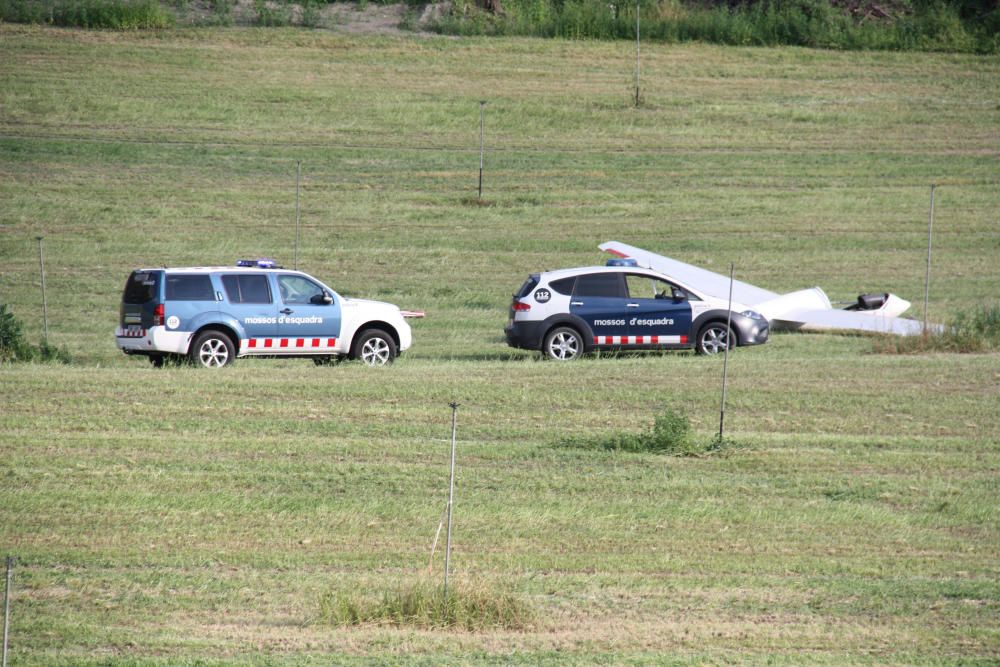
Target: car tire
374, 347
713, 338
563, 344
212, 349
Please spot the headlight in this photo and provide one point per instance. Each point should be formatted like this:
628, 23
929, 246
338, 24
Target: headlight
752, 314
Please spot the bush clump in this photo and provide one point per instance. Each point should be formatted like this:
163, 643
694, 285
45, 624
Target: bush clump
424, 605
970, 331
14, 347
670, 434
92, 14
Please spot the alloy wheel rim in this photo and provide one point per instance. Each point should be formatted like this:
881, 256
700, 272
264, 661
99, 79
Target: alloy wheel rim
375, 352
214, 353
715, 341
564, 346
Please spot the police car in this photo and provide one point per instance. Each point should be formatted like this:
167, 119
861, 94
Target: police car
570, 312
256, 309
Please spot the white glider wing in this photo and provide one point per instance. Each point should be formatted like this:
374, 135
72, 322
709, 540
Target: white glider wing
807, 309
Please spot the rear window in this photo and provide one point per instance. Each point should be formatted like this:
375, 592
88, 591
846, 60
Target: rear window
247, 288
142, 287
600, 284
194, 287
528, 285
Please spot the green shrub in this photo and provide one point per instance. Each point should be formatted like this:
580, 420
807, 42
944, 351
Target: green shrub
424, 605
272, 14
976, 330
93, 14
670, 434
14, 347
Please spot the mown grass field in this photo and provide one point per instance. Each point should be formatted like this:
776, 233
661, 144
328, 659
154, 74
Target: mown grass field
177, 516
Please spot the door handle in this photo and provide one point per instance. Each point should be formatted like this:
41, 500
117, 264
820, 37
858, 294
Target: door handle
286, 311
576, 303
631, 305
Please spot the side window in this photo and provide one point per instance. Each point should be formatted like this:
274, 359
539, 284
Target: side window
646, 287
564, 285
190, 287
247, 288
600, 284
296, 289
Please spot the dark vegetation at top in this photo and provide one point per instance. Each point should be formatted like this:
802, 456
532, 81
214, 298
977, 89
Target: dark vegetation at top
931, 25
970, 26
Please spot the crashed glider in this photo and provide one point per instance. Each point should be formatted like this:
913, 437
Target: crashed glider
806, 310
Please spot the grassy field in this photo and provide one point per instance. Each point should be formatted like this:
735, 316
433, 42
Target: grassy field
177, 516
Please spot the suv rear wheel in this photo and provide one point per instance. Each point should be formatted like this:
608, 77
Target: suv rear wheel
563, 344
212, 349
374, 347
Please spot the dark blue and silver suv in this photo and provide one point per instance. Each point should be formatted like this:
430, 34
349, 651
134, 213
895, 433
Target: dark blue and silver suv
569, 312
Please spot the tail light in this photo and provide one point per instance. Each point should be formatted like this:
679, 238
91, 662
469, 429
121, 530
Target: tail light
521, 306
158, 315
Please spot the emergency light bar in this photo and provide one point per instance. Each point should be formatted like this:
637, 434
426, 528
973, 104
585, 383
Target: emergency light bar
622, 261
262, 263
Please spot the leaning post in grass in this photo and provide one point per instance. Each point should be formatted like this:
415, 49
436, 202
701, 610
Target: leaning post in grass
725, 358
6, 607
451, 494
482, 145
45, 304
298, 178
927, 274
636, 53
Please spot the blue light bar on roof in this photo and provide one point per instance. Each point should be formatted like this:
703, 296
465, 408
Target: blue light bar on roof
622, 261
262, 263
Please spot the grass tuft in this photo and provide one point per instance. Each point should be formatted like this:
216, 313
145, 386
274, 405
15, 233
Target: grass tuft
670, 434
976, 330
423, 604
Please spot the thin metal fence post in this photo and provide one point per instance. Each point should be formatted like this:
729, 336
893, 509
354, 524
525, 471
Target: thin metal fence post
298, 178
482, 145
637, 53
725, 359
6, 607
45, 304
451, 495
927, 275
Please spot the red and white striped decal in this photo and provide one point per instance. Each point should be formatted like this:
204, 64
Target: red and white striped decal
278, 344
640, 340
131, 332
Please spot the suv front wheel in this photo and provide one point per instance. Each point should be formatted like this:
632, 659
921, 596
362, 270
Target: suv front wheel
714, 338
212, 349
563, 344
374, 347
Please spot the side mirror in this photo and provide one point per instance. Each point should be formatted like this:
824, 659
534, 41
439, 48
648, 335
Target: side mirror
679, 294
321, 299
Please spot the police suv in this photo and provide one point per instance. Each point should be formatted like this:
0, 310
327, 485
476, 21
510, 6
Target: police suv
213, 315
569, 312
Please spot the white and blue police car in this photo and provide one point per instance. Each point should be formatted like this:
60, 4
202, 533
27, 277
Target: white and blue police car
212, 315
570, 312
